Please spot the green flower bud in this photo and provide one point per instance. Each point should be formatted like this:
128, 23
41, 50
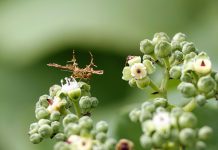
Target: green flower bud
160, 109
205, 133
143, 83
55, 116
178, 56
44, 121
146, 142
70, 118
177, 111
134, 115
85, 102
85, 132
206, 84
55, 126
187, 120
201, 100
146, 46
175, 72
187, 89
33, 128
45, 131
187, 136
85, 88
145, 115
126, 73
159, 37
157, 139
110, 144
189, 56
149, 66
43, 100
102, 126
94, 102
148, 126
62, 146
162, 49
35, 138
86, 122
216, 77
60, 137
72, 129
54, 89
188, 47
160, 102
132, 82
186, 77
179, 37
183, 43
74, 94
101, 136
200, 145
150, 107
134, 59
175, 45
41, 113
174, 135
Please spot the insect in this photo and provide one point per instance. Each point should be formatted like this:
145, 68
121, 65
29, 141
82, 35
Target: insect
77, 72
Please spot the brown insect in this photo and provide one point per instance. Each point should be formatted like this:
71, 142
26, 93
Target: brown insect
77, 72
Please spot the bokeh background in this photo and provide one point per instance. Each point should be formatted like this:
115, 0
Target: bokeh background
34, 33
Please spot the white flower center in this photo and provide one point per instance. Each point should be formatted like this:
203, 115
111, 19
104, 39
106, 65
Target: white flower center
202, 66
70, 84
54, 105
162, 121
138, 71
80, 143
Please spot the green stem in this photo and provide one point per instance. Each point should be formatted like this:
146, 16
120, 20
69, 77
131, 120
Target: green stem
164, 82
190, 106
154, 86
77, 108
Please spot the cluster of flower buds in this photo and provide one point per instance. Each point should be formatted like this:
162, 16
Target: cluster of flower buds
166, 127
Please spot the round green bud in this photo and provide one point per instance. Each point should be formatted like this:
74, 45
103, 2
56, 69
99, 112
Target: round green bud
145, 115
200, 145
179, 56
134, 59
146, 46
148, 126
134, 115
179, 37
72, 129
70, 118
55, 126
205, 133
160, 109
206, 84
160, 102
175, 72
35, 138
101, 136
84, 86
174, 135
110, 144
183, 43
86, 122
187, 120
175, 45
189, 56
62, 146
149, 66
187, 89
150, 107
43, 100
177, 111
188, 47
216, 77
187, 136
55, 116
41, 113
157, 139
94, 102
85, 102
54, 89
201, 100
146, 142
162, 49
60, 137
126, 73
143, 83
33, 128
186, 77
132, 82
74, 94
102, 126
161, 36
44, 121
45, 131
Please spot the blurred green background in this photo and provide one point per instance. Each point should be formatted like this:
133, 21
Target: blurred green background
34, 33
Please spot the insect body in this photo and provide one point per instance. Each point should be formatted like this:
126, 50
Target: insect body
77, 72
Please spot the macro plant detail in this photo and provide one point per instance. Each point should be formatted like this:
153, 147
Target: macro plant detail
164, 125
65, 114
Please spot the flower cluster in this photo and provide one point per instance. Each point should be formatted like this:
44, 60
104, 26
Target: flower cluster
167, 128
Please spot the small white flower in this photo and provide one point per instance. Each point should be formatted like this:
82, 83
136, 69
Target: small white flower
54, 105
138, 71
70, 84
80, 143
202, 65
162, 121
